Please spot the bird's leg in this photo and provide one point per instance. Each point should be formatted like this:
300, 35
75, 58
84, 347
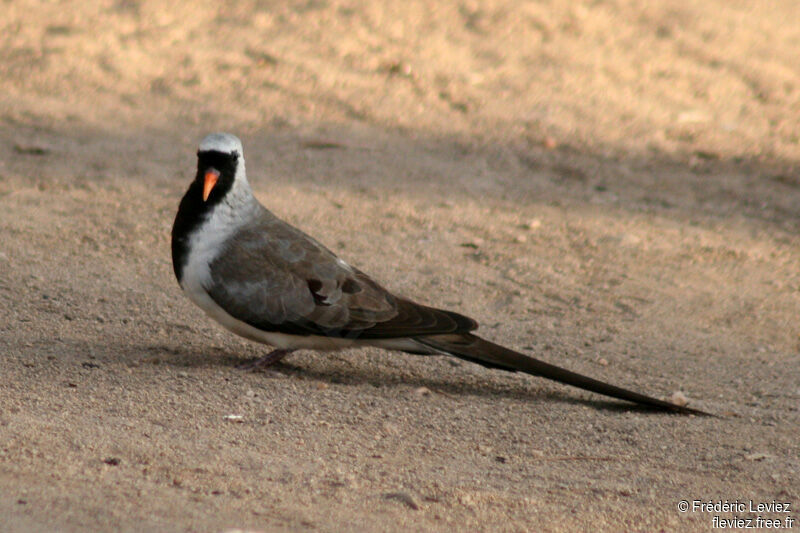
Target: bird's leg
268, 360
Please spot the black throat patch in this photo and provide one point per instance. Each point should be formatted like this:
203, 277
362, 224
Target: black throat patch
192, 210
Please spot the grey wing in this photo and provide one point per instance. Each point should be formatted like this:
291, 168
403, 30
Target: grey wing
276, 278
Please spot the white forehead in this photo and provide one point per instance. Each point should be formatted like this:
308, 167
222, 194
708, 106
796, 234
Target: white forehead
221, 142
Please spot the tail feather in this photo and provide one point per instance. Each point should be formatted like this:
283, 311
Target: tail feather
477, 350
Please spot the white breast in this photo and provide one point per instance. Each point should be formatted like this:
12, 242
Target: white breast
205, 244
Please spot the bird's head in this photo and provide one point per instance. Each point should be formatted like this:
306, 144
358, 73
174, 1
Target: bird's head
220, 163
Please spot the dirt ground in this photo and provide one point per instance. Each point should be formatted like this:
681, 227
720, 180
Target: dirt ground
612, 185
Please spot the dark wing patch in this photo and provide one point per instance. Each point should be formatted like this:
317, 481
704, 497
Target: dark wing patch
351, 286
315, 285
276, 278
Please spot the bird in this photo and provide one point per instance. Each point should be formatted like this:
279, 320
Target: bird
267, 281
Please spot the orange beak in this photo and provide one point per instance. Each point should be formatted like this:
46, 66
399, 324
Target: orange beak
212, 176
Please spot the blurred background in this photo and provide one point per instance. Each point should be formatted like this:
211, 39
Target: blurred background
693, 83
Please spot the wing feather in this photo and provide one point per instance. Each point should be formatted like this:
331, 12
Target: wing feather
278, 279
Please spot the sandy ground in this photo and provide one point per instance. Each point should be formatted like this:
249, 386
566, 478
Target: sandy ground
609, 185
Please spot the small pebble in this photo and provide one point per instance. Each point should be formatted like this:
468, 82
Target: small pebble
484, 449
404, 497
757, 456
31, 149
679, 398
533, 224
391, 429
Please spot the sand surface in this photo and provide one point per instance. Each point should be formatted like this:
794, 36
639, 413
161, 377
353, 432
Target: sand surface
613, 186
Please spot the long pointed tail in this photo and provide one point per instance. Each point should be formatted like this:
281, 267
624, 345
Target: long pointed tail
477, 350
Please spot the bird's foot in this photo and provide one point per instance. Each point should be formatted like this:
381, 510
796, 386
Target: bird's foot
263, 362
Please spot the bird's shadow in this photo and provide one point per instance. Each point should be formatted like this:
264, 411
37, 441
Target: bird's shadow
340, 370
